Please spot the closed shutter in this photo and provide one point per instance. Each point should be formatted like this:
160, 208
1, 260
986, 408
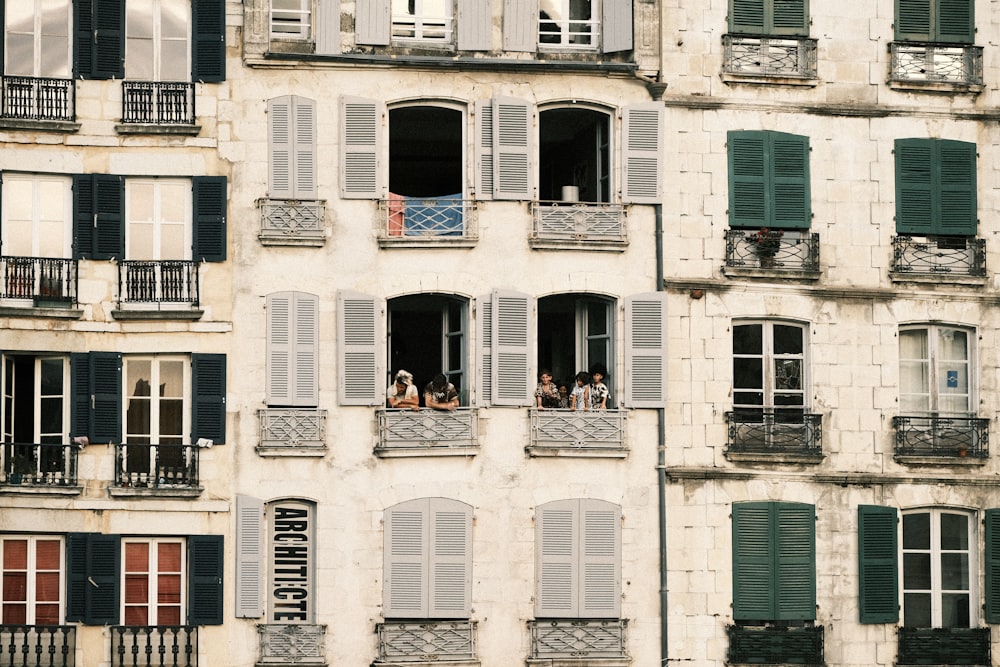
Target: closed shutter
304, 153
97, 396
249, 557
512, 149
98, 216
913, 20
956, 21
795, 561
405, 561
359, 334
520, 25
361, 144
93, 566
475, 25
914, 186
790, 17
747, 17
936, 187
292, 147
992, 566
372, 19
292, 341
206, 554
747, 179
600, 558
769, 180
99, 39
208, 52
327, 27
79, 373
280, 145
484, 309
753, 574
83, 216
208, 397
642, 127
3, 33
209, 218
789, 157
484, 149
646, 350
450, 568
878, 597
957, 160
616, 25
510, 345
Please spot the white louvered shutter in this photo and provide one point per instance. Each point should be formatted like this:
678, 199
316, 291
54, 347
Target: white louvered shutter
510, 347
249, 557
279, 141
512, 142
616, 25
372, 22
292, 355
360, 147
450, 567
475, 25
359, 333
279, 349
556, 574
484, 149
406, 551
484, 311
642, 159
327, 27
520, 25
646, 350
305, 350
600, 558
304, 153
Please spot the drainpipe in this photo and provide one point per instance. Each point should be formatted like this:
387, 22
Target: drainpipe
661, 459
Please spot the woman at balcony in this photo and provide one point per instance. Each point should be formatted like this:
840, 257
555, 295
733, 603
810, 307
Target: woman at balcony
402, 393
546, 392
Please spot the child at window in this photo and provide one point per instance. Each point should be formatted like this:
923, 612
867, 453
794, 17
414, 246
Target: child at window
598, 390
579, 398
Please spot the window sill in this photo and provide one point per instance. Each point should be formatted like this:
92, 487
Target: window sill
788, 274
158, 492
41, 490
171, 129
39, 125
910, 85
415, 451
427, 242
956, 461
165, 314
803, 458
768, 80
32, 311
298, 239
592, 245
940, 278
583, 452
292, 451
426, 663
577, 662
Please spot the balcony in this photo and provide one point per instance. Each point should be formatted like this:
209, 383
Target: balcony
954, 259
570, 225
775, 645
790, 435
595, 641
772, 253
38, 99
41, 282
427, 432
158, 103
942, 439
427, 221
154, 645
577, 433
40, 467
156, 470
168, 285
292, 432
292, 222
291, 645
38, 645
943, 646
940, 67
426, 641
765, 59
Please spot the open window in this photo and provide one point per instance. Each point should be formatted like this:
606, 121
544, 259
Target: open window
574, 155
35, 418
427, 336
576, 333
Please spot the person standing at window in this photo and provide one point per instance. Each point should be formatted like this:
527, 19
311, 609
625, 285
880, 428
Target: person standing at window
440, 394
546, 393
401, 393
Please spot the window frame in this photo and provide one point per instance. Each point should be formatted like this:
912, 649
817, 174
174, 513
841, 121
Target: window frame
769, 360
936, 553
607, 183
31, 572
463, 124
157, 42
769, 180
305, 28
38, 46
37, 397
565, 36
418, 19
936, 187
159, 228
934, 363
153, 573
9, 227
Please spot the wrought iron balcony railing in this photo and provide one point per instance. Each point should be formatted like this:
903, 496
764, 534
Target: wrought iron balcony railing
785, 250
158, 102
291, 220
37, 645
578, 429
426, 641
914, 62
35, 98
939, 256
156, 466
167, 281
292, 428
40, 465
775, 431
942, 436
780, 57
427, 429
775, 645
943, 646
411, 219
291, 644
154, 646
578, 638
578, 222
44, 280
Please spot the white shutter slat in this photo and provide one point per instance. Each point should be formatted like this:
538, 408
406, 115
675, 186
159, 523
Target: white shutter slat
646, 350
600, 595
520, 25
372, 22
450, 570
484, 149
512, 142
475, 25
642, 160
406, 551
510, 346
249, 557
304, 153
484, 310
556, 542
361, 141
279, 141
616, 25
328, 27
358, 318
306, 341
279, 347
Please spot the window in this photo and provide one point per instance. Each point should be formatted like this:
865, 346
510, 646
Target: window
155, 417
422, 20
948, 21
36, 215
290, 19
292, 352
292, 144
934, 376
770, 17
588, 25
152, 576
768, 369
33, 584
466, 25
37, 38
157, 46
158, 219
574, 152
428, 559
769, 180
35, 416
567, 23
427, 336
576, 332
935, 187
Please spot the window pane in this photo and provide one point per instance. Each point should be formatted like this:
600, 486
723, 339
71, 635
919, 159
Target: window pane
51, 422
136, 616
953, 344
955, 572
47, 587
916, 571
21, 55
169, 557
787, 340
136, 557
954, 532
15, 614
748, 373
748, 339
47, 614
171, 379
52, 377
15, 586
168, 615
913, 344
47, 554
139, 18
917, 610
955, 610
20, 16
15, 554
174, 61
916, 531
787, 374
168, 589
136, 588
174, 19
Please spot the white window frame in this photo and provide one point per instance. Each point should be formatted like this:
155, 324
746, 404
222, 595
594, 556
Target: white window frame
156, 221
155, 437
152, 571
606, 181
935, 553
935, 372
456, 370
158, 40
36, 397
287, 23
421, 25
39, 36
583, 301
31, 593
770, 360
569, 37
436, 104
11, 227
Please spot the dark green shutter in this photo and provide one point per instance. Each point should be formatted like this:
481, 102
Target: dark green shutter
769, 17
769, 180
794, 530
955, 21
93, 566
789, 160
913, 20
747, 184
98, 216
83, 39
747, 17
106, 401
914, 186
208, 52
205, 558
210, 218
83, 216
753, 574
208, 412
992, 566
99, 39
957, 161
791, 17
935, 187
79, 369
2, 35
878, 596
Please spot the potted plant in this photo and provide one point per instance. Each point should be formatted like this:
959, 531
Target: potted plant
765, 243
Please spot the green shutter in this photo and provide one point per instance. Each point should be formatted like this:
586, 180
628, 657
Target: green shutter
914, 186
105, 374
955, 21
99, 43
957, 178
789, 161
795, 561
791, 17
753, 556
747, 179
79, 373
878, 597
208, 49
98, 216
76, 577
913, 20
747, 17
83, 216
992, 566
209, 200
769, 180
93, 565
208, 397
205, 558
936, 187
